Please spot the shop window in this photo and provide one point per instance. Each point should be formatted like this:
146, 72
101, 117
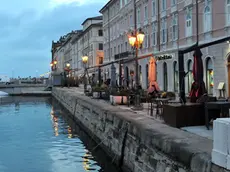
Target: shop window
175, 76
127, 76
190, 77
209, 76
147, 75
165, 72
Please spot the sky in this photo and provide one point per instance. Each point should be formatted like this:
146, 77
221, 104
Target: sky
29, 26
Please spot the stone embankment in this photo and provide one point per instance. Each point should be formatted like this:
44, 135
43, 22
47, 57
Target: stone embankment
136, 142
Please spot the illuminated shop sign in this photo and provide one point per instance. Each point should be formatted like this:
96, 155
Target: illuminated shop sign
164, 57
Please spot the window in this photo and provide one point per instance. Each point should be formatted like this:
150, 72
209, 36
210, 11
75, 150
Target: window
173, 2
121, 3
174, 27
163, 5
118, 49
165, 73
207, 19
163, 31
115, 50
228, 12
153, 7
176, 76
111, 51
138, 15
126, 46
131, 20
146, 40
125, 2
209, 75
147, 75
100, 47
154, 34
100, 32
188, 26
146, 12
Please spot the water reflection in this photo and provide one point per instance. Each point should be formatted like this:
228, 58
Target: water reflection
43, 138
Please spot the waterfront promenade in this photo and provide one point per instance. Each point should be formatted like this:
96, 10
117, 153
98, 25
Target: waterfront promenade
136, 141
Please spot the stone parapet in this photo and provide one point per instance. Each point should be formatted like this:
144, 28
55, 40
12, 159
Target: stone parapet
136, 142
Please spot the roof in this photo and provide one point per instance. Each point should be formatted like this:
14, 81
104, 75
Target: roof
92, 18
77, 37
106, 5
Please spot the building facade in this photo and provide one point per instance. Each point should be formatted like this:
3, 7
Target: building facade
71, 47
90, 43
170, 25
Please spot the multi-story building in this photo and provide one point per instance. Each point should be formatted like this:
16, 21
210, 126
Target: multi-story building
170, 25
71, 47
89, 43
61, 51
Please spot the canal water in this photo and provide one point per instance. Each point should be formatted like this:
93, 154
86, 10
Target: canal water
38, 135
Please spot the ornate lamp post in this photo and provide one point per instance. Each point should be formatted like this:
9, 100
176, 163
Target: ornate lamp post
135, 40
85, 61
67, 69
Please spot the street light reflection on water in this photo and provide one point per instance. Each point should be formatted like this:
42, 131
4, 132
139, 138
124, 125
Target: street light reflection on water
40, 137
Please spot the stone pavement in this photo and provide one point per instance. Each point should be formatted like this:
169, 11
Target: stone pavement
197, 130
80, 90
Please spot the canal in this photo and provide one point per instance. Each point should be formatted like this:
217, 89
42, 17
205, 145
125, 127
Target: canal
38, 135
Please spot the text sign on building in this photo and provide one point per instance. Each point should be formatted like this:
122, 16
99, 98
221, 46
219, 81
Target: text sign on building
164, 57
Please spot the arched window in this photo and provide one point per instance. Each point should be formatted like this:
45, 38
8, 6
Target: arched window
147, 75
140, 72
207, 19
209, 75
127, 76
188, 25
190, 77
175, 76
165, 72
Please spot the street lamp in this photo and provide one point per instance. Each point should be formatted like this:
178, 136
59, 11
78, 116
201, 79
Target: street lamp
68, 71
85, 61
135, 40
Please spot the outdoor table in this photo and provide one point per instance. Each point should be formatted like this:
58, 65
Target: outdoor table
222, 106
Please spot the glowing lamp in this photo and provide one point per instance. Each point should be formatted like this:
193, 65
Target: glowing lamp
140, 37
68, 65
55, 62
85, 59
51, 64
132, 40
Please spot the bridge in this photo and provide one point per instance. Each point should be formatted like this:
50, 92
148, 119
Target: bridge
20, 89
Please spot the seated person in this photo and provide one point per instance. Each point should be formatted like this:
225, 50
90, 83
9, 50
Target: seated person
152, 91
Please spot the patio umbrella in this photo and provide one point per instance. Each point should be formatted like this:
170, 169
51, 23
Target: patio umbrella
152, 75
198, 86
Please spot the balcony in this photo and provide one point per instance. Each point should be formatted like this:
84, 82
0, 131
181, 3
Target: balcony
122, 55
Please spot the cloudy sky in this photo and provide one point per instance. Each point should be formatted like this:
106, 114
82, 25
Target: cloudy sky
29, 26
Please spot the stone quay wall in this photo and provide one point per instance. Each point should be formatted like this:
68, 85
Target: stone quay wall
135, 142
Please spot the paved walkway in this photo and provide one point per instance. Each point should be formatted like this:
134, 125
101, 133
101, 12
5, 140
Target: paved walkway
198, 130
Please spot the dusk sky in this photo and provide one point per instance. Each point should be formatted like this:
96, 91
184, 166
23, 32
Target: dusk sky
29, 26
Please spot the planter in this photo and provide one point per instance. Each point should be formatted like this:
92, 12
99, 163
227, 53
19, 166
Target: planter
118, 100
96, 94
